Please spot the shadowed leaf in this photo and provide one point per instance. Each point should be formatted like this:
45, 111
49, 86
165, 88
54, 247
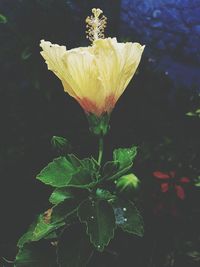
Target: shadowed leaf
74, 249
39, 254
128, 217
100, 221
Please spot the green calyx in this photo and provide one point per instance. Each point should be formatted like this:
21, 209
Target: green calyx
99, 125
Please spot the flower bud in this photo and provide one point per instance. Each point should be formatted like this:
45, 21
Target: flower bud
129, 181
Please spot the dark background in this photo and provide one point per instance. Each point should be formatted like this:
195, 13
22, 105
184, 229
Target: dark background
151, 113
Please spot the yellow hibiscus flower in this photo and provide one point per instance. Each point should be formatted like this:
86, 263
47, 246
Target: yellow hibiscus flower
97, 75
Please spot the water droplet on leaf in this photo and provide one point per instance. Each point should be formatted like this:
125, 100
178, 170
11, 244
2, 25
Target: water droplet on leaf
119, 215
99, 246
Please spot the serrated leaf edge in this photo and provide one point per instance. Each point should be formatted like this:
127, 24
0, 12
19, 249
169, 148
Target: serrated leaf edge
90, 236
141, 218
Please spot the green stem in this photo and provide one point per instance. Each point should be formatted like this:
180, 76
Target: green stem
100, 150
116, 175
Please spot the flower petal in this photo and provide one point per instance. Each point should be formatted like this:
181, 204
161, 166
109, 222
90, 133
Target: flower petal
53, 55
180, 191
172, 174
164, 187
116, 63
95, 76
107, 65
130, 56
185, 180
161, 175
82, 75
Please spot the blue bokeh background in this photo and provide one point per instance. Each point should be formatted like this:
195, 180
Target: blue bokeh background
171, 31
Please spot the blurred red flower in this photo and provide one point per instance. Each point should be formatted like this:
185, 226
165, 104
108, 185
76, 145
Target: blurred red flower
170, 179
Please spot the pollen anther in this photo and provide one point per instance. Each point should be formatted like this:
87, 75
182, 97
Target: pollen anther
96, 25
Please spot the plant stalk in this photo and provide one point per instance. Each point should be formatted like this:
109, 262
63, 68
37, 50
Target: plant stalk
100, 150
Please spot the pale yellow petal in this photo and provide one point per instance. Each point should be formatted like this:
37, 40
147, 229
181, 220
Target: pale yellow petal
53, 55
96, 76
107, 64
117, 63
82, 74
130, 55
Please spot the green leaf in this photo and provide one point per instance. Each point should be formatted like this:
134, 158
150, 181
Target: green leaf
74, 249
61, 144
128, 217
110, 168
76, 162
194, 254
82, 179
40, 254
197, 181
122, 163
39, 229
117, 173
59, 195
125, 156
52, 235
190, 114
89, 164
196, 113
64, 210
3, 19
26, 53
62, 173
57, 173
100, 221
52, 220
104, 194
